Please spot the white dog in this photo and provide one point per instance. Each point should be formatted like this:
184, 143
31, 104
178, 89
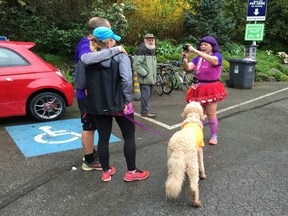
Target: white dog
185, 154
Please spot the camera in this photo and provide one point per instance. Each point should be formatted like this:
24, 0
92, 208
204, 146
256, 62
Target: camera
186, 48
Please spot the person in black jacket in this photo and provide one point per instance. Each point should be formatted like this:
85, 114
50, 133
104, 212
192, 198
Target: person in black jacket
109, 93
90, 160
85, 45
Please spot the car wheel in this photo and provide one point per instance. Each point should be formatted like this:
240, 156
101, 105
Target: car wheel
47, 106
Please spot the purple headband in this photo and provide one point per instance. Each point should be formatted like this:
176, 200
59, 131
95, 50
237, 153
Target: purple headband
211, 40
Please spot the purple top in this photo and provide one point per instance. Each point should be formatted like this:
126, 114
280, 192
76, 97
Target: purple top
82, 47
206, 70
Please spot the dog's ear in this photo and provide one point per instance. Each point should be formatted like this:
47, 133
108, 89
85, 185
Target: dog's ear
185, 111
193, 107
183, 114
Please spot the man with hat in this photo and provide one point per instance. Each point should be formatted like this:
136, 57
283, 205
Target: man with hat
145, 64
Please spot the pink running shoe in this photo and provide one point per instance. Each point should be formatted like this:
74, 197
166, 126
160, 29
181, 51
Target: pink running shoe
139, 175
213, 140
106, 176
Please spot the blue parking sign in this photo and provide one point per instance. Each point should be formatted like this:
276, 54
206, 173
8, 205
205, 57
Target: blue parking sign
257, 10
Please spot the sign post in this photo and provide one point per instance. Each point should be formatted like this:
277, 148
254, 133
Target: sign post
254, 32
257, 10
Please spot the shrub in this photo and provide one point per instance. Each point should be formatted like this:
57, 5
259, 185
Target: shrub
232, 50
283, 56
164, 47
225, 66
166, 52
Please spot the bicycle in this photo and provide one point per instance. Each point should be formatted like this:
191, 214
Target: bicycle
159, 84
179, 77
163, 80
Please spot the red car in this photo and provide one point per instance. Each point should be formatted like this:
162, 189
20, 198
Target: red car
29, 85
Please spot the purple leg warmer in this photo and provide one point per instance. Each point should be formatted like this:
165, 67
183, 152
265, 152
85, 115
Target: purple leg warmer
213, 123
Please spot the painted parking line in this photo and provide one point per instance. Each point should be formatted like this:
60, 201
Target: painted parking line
220, 111
153, 121
50, 137
250, 101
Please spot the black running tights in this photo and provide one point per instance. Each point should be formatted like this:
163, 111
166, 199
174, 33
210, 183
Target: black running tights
104, 128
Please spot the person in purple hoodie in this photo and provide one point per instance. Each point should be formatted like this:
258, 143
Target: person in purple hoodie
109, 94
85, 45
206, 88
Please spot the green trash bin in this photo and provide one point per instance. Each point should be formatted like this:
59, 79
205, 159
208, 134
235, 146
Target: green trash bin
241, 74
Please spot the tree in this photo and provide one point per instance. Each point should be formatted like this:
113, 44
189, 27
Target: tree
163, 18
207, 17
276, 28
237, 11
56, 26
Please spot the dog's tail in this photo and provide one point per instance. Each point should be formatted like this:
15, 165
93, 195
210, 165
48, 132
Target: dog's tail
176, 174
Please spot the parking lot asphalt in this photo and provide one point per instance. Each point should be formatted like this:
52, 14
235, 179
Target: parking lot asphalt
246, 171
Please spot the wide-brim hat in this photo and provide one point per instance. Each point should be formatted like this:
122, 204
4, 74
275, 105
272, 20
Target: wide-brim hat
149, 36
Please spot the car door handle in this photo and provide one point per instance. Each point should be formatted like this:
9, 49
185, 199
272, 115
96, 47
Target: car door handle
9, 79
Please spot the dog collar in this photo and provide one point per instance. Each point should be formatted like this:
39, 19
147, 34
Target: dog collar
189, 124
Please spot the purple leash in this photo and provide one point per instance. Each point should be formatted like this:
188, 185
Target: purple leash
145, 128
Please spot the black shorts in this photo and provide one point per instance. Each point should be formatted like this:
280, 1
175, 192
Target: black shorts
86, 119
87, 122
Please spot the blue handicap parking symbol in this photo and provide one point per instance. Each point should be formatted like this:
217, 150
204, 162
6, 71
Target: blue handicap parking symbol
49, 137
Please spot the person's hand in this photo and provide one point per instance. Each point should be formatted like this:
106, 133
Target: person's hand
125, 108
121, 49
184, 55
128, 109
190, 48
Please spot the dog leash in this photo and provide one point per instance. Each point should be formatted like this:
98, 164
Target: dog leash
145, 128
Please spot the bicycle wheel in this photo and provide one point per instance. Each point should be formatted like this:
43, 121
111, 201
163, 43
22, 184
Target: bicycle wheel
174, 80
159, 84
187, 80
171, 72
167, 83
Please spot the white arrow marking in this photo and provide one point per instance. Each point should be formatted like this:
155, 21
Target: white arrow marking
256, 12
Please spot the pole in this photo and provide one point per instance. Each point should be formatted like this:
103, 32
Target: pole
137, 93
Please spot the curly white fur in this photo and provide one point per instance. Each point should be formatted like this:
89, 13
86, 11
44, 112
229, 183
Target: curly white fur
184, 157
